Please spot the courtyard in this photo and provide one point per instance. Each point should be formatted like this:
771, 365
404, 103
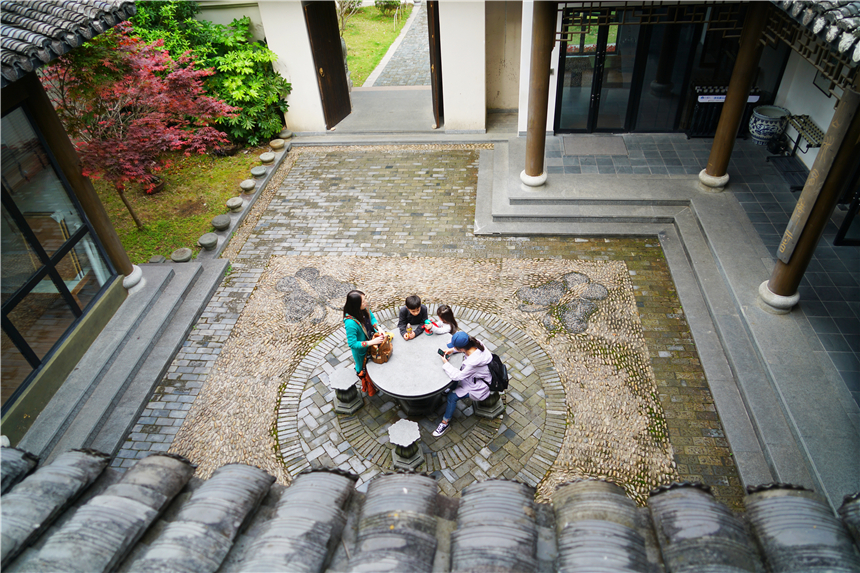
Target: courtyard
611, 389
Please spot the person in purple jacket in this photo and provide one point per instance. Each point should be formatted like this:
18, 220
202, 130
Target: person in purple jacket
473, 377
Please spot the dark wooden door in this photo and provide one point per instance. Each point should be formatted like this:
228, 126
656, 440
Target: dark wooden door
435, 61
321, 20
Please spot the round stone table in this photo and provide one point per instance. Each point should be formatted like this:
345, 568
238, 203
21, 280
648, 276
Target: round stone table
413, 375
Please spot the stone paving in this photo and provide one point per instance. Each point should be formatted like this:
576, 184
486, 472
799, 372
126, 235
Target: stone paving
410, 63
398, 205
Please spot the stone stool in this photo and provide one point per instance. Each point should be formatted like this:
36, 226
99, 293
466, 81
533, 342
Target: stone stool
407, 453
491, 407
267, 158
347, 400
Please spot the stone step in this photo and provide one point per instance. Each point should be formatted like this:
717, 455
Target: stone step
64, 406
142, 339
138, 392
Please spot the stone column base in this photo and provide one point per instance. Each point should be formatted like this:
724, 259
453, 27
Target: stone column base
711, 184
133, 278
533, 180
774, 303
491, 407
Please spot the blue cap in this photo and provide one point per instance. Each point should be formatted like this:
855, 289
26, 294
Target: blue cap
459, 340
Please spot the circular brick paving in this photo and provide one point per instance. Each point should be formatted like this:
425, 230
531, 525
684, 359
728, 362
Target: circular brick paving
522, 444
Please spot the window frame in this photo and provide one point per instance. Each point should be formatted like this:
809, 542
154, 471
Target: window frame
48, 265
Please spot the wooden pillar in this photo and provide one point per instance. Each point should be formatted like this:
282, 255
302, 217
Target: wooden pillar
543, 39
714, 176
838, 156
55, 135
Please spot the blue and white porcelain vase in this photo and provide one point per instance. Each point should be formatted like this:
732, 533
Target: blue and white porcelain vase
767, 122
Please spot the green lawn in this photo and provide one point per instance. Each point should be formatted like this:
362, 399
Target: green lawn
196, 191
368, 35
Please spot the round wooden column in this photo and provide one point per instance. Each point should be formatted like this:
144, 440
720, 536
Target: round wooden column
839, 155
543, 39
714, 176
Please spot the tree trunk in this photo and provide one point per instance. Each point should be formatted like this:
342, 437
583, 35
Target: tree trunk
121, 192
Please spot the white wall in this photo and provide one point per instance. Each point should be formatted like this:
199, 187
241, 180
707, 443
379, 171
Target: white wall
503, 30
225, 11
799, 96
287, 36
525, 72
462, 42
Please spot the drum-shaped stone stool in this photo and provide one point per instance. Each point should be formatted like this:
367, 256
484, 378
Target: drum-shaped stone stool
347, 399
490, 407
407, 454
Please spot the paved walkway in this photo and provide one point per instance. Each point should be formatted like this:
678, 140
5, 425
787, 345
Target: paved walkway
410, 63
638, 407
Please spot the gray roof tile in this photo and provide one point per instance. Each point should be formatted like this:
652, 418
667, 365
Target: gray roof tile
36, 32
836, 23
238, 520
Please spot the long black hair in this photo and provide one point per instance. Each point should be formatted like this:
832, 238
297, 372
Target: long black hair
474, 343
353, 308
447, 315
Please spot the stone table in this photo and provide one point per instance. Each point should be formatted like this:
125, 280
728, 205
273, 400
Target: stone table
407, 454
413, 375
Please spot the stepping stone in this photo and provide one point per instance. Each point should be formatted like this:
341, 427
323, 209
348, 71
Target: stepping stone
248, 184
182, 255
347, 400
276, 144
157, 259
258, 171
285, 134
221, 222
267, 158
235, 203
407, 455
208, 241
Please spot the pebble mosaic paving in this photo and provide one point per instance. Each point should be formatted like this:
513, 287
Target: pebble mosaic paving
401, 216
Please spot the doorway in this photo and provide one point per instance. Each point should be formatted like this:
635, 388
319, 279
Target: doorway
597, 72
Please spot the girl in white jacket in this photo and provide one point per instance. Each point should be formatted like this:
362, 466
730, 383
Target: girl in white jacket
446, 324
473, 376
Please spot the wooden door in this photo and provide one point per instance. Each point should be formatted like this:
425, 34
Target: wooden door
321, 20
435, 61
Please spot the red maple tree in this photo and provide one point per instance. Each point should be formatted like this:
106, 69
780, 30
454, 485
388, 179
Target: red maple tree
126, 103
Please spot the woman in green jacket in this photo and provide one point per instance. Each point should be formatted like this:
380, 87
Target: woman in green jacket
360, 323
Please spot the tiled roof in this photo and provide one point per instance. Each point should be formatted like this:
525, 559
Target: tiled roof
76, 515
836, 23
35, 32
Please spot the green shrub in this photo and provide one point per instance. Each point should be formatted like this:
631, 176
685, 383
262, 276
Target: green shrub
244, 75
387, 7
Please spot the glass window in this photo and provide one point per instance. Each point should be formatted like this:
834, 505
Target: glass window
19, 261
52, 268
33, 184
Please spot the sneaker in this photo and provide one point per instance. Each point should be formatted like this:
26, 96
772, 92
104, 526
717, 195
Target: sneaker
441, 429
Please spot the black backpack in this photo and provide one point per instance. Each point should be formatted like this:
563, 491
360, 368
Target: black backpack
498, 375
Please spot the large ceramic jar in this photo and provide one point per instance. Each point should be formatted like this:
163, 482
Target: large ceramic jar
767, 122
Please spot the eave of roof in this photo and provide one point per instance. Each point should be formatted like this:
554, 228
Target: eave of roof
836, 23
36, 32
